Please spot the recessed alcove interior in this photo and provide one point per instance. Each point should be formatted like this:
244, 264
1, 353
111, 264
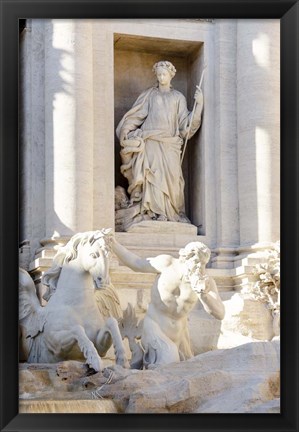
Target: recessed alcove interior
134, 57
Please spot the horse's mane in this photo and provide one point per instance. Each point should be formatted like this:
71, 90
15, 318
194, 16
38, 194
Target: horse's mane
68, 253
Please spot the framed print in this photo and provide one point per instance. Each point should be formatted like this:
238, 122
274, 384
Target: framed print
149, 156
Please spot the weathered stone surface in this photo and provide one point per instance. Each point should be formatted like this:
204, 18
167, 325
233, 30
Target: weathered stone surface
33, 380
205, 331
38, 379
69, 371
244, 379
161, 227
248, 317
69, 406
246, 320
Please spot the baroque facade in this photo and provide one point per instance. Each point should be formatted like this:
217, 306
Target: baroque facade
77, 80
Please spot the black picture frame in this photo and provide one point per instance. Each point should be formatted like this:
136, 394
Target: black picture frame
11, 12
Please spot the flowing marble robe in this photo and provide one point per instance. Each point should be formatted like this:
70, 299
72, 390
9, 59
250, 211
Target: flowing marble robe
156, 126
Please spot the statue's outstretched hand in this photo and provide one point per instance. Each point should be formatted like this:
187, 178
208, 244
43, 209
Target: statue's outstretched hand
105, 237
111, 236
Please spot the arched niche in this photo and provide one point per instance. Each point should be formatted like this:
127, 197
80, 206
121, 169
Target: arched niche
134, 57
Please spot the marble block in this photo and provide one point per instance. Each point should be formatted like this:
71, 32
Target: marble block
163, 227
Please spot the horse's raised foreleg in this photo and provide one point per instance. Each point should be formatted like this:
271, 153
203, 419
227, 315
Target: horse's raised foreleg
59, 342
103, 342
87, 347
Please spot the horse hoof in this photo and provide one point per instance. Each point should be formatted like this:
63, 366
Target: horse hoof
91, 371
95, 364
123, 361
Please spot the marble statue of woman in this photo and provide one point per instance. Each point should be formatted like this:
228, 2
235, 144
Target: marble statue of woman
151, 135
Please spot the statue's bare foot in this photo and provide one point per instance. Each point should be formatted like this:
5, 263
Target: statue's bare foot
145, 217
151, 214
162, 218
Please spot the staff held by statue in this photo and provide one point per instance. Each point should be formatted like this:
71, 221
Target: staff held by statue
192, 115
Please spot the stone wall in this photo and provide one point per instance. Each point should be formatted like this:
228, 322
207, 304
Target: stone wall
79, 76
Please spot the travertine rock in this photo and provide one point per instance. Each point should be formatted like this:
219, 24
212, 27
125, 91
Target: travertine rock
246, 320
248, 317
69, 406
34, 380
244, 379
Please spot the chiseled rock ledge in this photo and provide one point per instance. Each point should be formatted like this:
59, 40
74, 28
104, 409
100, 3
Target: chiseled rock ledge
244, 379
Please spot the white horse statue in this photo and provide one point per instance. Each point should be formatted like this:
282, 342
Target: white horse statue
71, 325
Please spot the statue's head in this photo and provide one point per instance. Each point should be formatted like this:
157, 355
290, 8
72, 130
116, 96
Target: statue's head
166, 65
196, 251
194, 258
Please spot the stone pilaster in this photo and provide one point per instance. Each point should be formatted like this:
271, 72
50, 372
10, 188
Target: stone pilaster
104, 128
258, 130
226, 143
69, 127
31, 133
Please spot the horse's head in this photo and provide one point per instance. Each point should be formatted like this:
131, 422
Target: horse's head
88, 251
94, 255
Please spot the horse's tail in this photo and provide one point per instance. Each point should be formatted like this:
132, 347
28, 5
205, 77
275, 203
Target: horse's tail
131, 328
31, 313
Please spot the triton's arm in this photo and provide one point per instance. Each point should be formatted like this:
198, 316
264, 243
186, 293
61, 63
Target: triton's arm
136, 263
210, 299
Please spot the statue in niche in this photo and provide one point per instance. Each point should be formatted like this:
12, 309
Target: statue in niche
151, 135
180, 283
